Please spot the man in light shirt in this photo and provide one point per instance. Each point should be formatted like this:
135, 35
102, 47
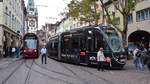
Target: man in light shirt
135, 58
100, 59
43, 52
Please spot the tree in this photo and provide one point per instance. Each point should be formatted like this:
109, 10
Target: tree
125, 7
84, 11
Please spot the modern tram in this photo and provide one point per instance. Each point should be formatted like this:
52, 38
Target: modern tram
30, 46
80, 46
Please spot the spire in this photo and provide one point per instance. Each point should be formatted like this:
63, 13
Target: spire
30, 4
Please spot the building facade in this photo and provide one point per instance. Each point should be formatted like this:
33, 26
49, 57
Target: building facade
138, 21
32, 18
11, 24
42, 37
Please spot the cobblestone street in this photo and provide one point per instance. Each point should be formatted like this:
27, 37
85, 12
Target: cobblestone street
29, 71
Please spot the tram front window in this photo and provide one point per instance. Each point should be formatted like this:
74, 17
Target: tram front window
30, 43
115, 44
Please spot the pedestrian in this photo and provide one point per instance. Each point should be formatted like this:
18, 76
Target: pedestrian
100, 59
148, 57
142, 55
138, 59
13, 50
135, 57
43, 52
17, 52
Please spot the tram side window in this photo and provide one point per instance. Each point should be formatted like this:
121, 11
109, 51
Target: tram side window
55, 44
98, 41
50, 45
75, 43
90, 40
66, 42
90, 44
82, 44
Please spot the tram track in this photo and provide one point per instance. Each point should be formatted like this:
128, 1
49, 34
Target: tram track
85, 82
82, 79
104, 79
28, 73
70, 70
47, 69
48, 76
74, 73
12, 73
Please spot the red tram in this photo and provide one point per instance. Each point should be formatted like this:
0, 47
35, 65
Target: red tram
30, 46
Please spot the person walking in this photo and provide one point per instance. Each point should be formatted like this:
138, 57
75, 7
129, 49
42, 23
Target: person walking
13, 51
17, 52
142, 56
100, 59
148, 57
138, 59
43, 52
135, 58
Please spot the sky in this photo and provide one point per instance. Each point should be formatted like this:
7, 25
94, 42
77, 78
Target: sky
49, 10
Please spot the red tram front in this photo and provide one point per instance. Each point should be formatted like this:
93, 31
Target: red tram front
30, 46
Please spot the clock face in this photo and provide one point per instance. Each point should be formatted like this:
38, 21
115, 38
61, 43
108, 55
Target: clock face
32, 23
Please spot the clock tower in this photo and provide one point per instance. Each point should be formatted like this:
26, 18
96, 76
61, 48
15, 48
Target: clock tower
32, 18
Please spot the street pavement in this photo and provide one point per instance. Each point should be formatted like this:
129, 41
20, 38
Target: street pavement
31, 71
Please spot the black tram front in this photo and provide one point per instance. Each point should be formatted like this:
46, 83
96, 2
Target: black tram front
107, 38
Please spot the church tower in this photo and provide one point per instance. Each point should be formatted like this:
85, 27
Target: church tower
32, 17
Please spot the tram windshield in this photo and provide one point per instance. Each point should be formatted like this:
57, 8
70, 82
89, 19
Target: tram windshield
115, 44
114, 41
30, 43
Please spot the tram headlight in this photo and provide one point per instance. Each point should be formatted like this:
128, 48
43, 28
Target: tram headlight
35, 50
24, 50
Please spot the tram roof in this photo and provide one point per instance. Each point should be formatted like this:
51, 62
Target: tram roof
82, 29
30, 34
88, 27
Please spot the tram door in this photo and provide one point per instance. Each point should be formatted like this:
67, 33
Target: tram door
84, 57
90, 46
